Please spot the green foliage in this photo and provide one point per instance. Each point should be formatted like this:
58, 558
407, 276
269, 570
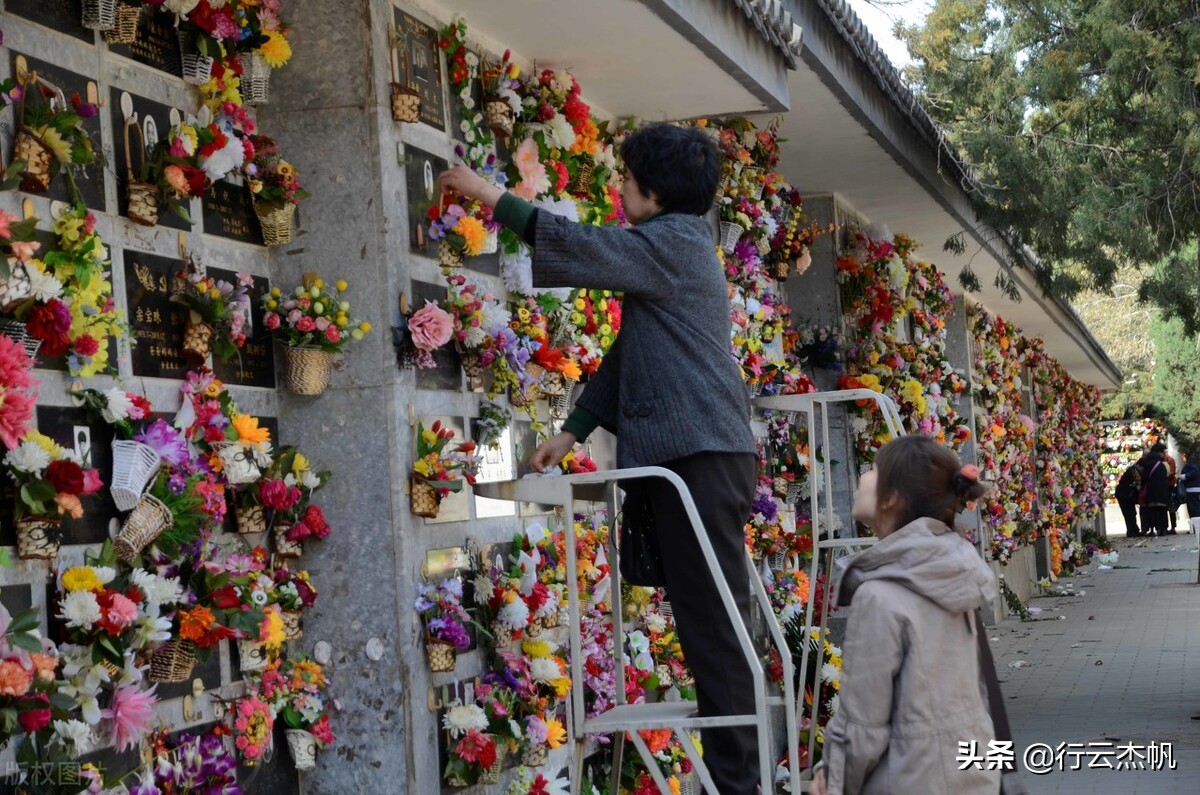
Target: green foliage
1079, 122
1177, 379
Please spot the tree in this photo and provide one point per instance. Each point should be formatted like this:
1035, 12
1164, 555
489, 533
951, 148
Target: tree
1177, 380
1079, 121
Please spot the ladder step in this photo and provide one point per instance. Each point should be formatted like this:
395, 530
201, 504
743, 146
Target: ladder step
632, 717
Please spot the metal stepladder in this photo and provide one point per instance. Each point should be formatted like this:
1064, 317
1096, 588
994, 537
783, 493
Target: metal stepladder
622, 719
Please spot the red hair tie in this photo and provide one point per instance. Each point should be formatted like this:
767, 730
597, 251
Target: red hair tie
970, 472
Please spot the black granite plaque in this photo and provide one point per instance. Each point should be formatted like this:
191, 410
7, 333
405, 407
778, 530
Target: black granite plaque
421, 171
157, 43
92, 442
157, 323
16, 598
257, 364
89, 179
448, 372
65, 16
424, 67
228, 212
155, 120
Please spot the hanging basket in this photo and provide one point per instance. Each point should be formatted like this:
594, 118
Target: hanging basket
528, 395
142, 196
535, 756
173, 661
663, 671
291, 624
441, 655
472, 364
777, 561
448, 256
560, 405
752, 182
252, 655
19, 333
583, 178
99, 14
251, 519
500, 116
306, 370
534, 628
793, 493
256, 79
126, 29
197, 340
685, 680
783, 269
284, 547
425, 499
276, 221
502, 636
754, 389
779, 486
554, 384
147, 522
492, 774
303, 746
17, 288
406, 104
550, 621
238, 467
39, 160
38, 538
197, 68
731, 233
689, 784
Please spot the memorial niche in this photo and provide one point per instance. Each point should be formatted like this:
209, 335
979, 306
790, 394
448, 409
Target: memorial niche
156, 120
157, 42
229, 212
92, 443
63, 16
447, 374
157, 323
425, 66
257, 365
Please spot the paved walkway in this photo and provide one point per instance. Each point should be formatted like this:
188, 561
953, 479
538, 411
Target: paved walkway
1119, 662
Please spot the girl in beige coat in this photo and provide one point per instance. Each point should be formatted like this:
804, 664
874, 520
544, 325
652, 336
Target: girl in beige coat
911, 687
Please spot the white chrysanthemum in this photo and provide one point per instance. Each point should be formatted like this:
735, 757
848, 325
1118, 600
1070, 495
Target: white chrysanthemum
80, 609
105, 574
461, 718
75, 735
119, 405
44, 285
790, 613
28, 457
483, 589
544, 669
559, 132
309, 480
514, 615
565, 208
474, 336
656, 622
158, 590
495, 314
830, 673
150, 630
834, 703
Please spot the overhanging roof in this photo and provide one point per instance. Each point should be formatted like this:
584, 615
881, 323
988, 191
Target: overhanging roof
855, 130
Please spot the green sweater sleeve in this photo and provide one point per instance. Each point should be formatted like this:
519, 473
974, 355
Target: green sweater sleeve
518, 215
581, 423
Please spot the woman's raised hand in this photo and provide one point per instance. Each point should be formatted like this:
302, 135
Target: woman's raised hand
462, 180
550, 453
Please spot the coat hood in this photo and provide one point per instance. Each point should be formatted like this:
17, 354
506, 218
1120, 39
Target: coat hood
928, 558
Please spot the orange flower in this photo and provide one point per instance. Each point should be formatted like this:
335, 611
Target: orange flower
45, 665
248, 431
194, 623
570, 369
69, 504
473, 233
14, 679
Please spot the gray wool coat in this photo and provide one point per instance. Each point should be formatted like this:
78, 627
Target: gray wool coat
911, 685
670, 386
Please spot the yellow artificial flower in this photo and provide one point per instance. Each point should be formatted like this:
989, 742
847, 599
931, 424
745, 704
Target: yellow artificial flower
272, 635
523, 315
55, 143
580, 304
299, 464
81, 578
536, 649
474, 234
571, 370
46, 443
276, 50
213, 389
342, 286
556, 733
429, 437
422, 468
364, 327
248, 431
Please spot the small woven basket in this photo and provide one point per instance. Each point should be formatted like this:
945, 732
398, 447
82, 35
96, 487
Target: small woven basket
472, 364
406, 104
38, 158
197, 341
306, 370
251, 519
779, 486
448, 256
554, 384
252, 655
19, 333
425, 499
501, 635
522, 397
284, 547
126, 29
500, 116
147, 522
303, 746
99, 14
534, 628
551, 621
535, 756
492, 774
291, 624
560, 405
17, 288
664, 675
731, 233
277, 221
441, 655
142, 196
783, 269
583, 178
37, 538
173, 661
256, 79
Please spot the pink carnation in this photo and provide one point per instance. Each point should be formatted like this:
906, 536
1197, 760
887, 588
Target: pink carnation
272, 321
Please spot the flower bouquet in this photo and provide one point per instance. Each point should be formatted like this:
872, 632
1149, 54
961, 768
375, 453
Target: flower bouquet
187, 762
51, 135
293, 593
493, 420
253, 720
48, 483
461, 230
174, 164
297, 689
313, 323
217, 315
262, 46
501, 103
275, 189
471, 750
18, 397
475, 313
170, 515
18, 243
294, 517
446, 621
543, 733
28, 664
243, 455
429, 328
437, 471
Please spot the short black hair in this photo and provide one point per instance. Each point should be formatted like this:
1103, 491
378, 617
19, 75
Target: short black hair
1158, 447
679, 165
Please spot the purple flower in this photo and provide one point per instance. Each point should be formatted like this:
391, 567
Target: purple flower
177, 483
166, 441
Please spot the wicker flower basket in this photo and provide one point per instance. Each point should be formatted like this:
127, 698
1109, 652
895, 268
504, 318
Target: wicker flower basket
583, 178
197, 68
501, 635
306, 370
534, 628
173, 661
251, 519
39, 161
560, 405
500, 116
535, 756
472, 364
238, 465
441, 655
303, 746
551, 621
197, 340
256, 80
284, 547
777, 561
689, 784
663, 671
37, 537
685, 680
752, 182
448, 257
554, 385
783, 269
793, 493
99, 14
252, 655
731, 233
276, 221
18, 332
425, 499
526, 397
779, 486
147, 522
134, 466
406, 104
17, 287
492, 774
126, 29
142, 196
291, 624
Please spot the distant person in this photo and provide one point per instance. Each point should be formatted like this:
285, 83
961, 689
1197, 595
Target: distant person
1156, 491
910, 691
1173, 498
1189, 486
1126, 492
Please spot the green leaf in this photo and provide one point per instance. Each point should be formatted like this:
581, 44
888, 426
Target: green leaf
26, 641
25, 621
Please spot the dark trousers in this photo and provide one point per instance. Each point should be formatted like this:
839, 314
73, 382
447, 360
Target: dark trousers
722, 486
1129, 511
1154, 519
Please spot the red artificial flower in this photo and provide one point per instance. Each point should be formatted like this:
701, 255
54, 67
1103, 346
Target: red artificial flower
66, 477
86, 345
225, 598
305, 591
475, 747
564, 176
35, 712
314, 518
216, 145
